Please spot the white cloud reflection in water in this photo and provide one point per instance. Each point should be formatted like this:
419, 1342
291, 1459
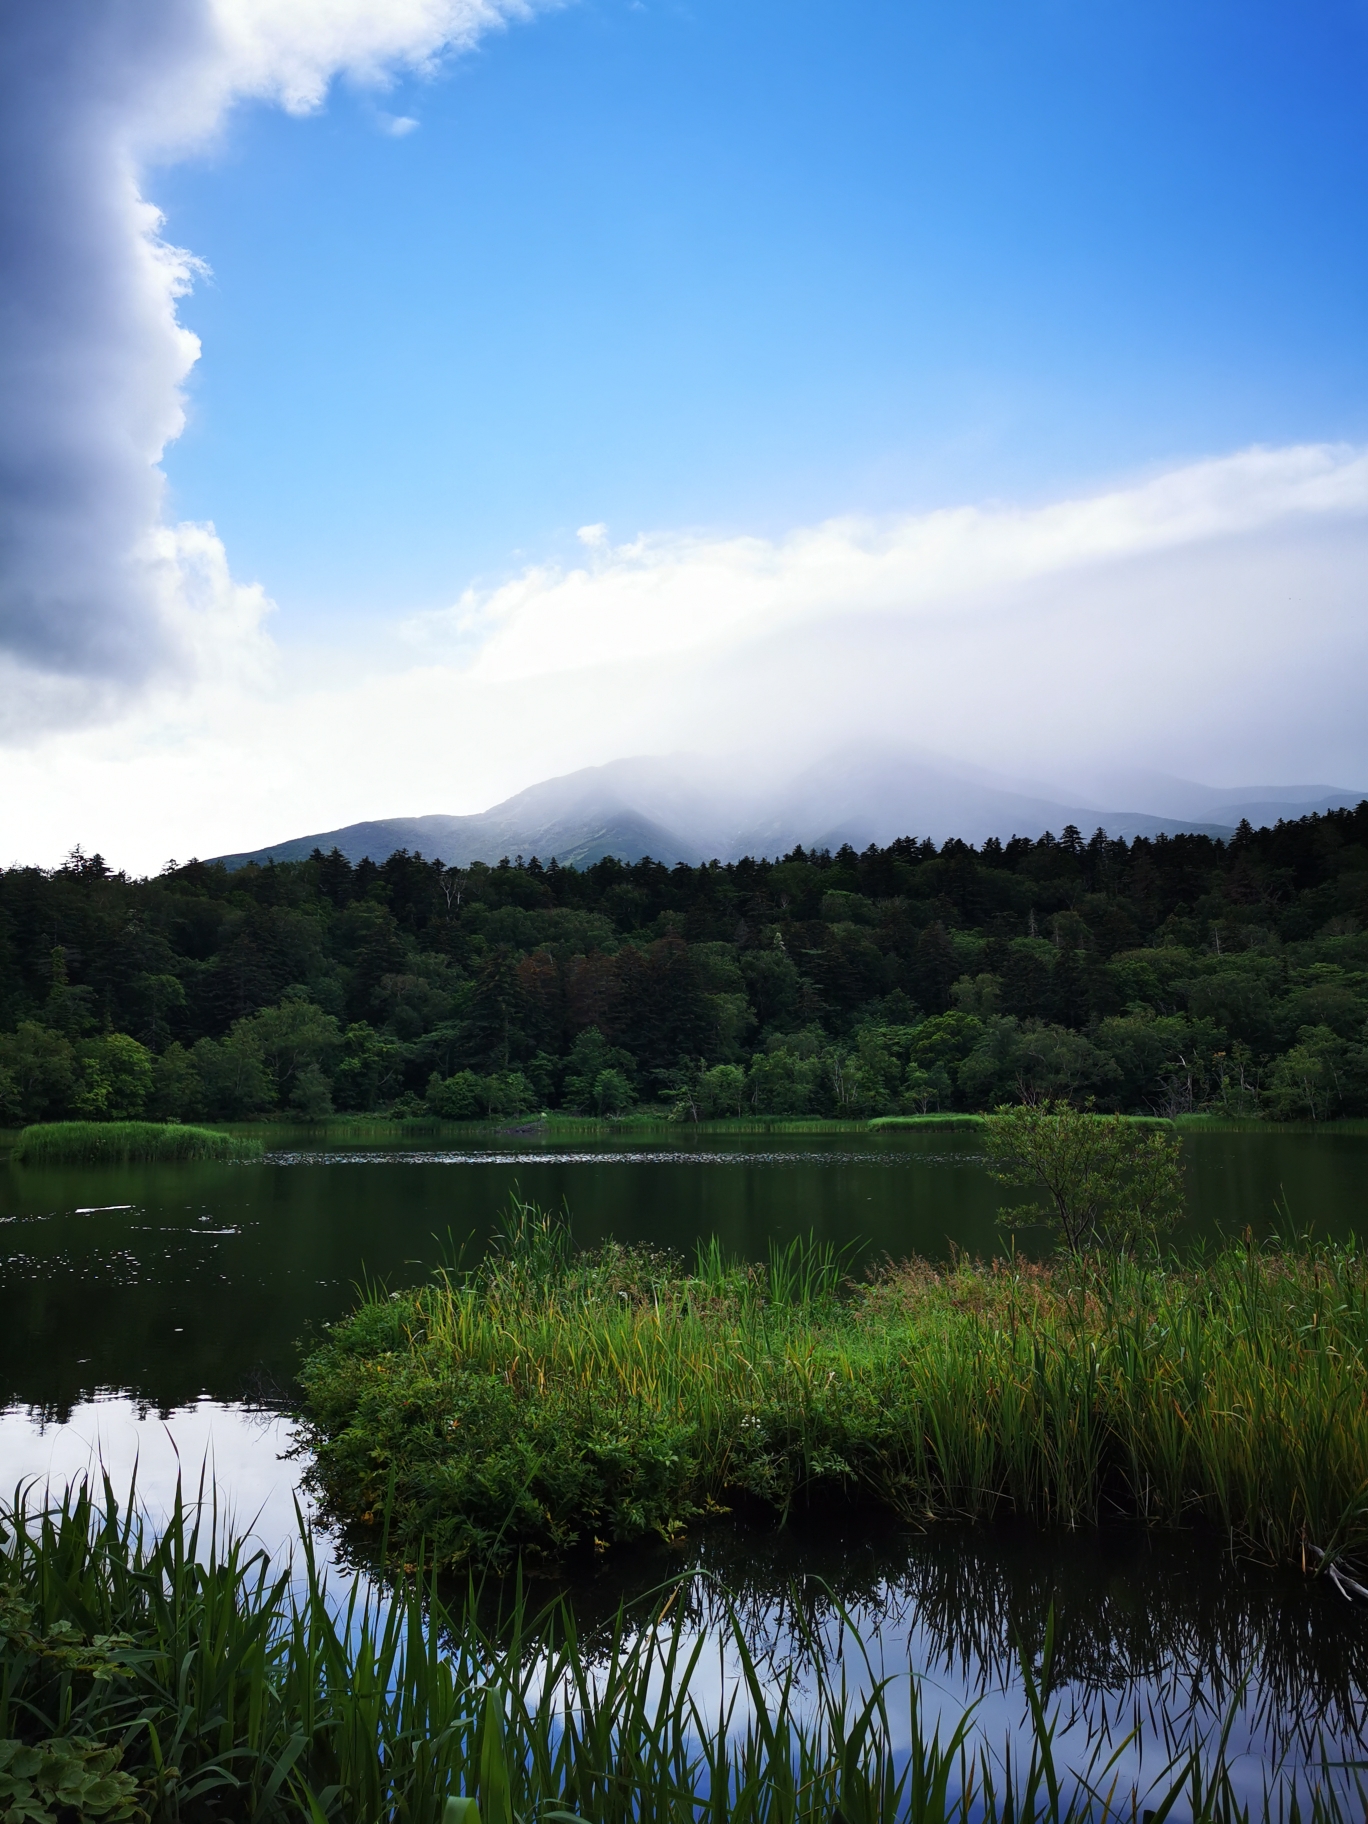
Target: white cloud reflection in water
242, 1451
945, 1614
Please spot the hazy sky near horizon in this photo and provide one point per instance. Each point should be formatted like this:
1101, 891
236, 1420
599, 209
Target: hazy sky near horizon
407, 399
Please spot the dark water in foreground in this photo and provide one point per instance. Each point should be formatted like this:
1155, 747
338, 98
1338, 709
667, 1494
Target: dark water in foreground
1164, 1639
151, 1315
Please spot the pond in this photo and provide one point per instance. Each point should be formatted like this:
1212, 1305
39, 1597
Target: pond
152, 1315
173, 1283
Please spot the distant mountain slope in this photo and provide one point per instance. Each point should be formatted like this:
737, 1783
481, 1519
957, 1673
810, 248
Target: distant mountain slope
684, 809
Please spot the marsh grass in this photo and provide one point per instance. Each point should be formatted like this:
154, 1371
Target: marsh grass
183, 1676
127, 1142
552, 1403
889, 1123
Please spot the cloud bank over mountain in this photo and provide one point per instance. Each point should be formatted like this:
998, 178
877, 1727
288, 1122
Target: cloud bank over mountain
656, 597
1208, 623
693, 808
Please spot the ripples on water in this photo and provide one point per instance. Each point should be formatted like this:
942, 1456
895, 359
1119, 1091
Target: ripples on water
674, 1156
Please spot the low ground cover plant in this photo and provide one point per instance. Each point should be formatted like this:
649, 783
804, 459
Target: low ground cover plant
127, 1142
547, 1402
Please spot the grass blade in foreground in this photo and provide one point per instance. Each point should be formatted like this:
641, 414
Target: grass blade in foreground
182, 1677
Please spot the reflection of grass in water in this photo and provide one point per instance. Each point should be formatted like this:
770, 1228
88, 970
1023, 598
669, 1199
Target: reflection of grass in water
1178, 1626
231, 1688
545, 1400
1166, 1627
127, 1142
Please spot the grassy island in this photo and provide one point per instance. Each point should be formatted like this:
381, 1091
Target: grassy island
127, 1142
549, 1402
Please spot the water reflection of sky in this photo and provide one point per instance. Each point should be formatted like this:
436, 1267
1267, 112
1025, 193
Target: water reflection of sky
1158, 1643
1135, 1710
1152, 1637
243, 1453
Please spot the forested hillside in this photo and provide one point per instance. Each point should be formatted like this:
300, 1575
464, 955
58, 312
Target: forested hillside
1170, 975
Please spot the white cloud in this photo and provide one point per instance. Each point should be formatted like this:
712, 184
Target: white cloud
93, 597
1208, 622
290, 50
660, 596
1209, 619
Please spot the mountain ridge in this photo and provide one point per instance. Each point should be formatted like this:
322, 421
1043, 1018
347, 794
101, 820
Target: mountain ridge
681, 809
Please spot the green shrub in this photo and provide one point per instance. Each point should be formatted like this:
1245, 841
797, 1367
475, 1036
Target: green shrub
1108, 1182
116, 1075
456, 1098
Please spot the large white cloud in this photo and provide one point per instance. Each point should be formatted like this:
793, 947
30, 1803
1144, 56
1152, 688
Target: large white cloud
1209, 621
93, 598
662, 596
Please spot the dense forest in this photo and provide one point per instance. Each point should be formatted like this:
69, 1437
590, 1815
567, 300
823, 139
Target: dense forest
1168, 975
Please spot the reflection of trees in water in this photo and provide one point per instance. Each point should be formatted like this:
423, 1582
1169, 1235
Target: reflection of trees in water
1160, 1631
1167, 1631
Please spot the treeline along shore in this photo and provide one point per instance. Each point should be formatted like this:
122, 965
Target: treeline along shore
1166, 976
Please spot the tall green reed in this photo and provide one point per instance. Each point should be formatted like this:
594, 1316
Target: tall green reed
225, 1686
540, 1403
126, 1142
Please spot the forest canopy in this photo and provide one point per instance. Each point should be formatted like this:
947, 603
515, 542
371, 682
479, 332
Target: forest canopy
1166, 975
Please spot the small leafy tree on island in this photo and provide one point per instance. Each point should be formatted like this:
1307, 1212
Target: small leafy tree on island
1111, 1184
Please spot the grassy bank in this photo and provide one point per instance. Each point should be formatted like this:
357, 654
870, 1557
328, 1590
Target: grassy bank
153, 1679
883, 1123
1256, 1124
354, 1129
554, 1125
545, 1402
127, 1142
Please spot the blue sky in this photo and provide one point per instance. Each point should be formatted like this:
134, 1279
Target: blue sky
574, 381
749, 265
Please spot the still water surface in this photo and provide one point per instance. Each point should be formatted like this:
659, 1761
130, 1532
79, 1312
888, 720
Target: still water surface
152, 1315
174, 1282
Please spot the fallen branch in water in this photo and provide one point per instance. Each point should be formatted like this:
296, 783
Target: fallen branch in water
1348, 1587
